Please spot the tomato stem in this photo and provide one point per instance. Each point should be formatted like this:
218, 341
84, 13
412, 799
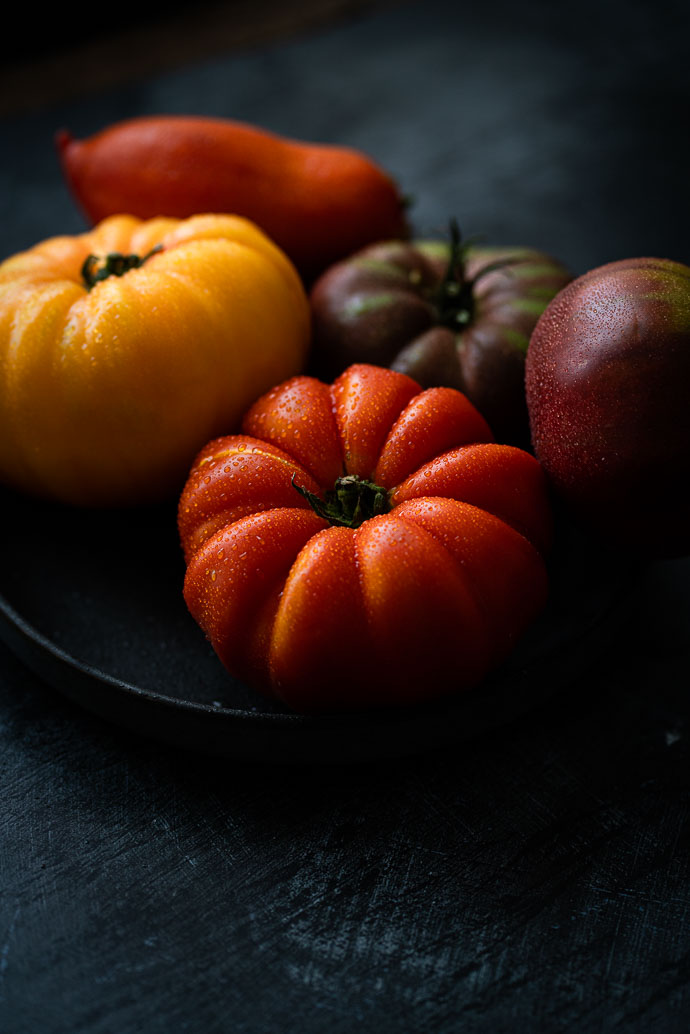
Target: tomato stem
95, 269
454, 298
350, 502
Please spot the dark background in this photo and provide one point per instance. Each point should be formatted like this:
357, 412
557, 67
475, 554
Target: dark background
534, 878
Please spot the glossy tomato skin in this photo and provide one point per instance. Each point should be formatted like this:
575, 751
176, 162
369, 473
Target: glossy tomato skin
108, 390
607, 380
317, 202
383, 305
412, 603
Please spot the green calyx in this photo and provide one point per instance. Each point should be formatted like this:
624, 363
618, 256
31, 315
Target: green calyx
95, 269
454, 298
350, 502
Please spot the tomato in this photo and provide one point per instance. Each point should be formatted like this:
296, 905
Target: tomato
363, 544
443, 313
124, 349
607, 379
317, 202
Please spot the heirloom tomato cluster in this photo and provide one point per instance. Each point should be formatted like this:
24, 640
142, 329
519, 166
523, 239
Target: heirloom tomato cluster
364, 428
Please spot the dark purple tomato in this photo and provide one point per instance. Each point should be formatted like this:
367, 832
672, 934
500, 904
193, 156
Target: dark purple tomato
608, 391
444, 313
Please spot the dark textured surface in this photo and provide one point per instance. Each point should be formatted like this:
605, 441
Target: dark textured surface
533, 879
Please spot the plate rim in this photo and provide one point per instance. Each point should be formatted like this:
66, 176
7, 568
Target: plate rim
67, 674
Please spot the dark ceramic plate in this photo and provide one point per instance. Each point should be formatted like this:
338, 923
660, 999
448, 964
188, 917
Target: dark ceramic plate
92, 602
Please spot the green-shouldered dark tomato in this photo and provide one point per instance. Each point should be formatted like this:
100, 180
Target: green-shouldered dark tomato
607, 378
445, 313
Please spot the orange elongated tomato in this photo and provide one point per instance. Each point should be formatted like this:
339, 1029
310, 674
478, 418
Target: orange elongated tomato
363, 544
318, 202
123, 350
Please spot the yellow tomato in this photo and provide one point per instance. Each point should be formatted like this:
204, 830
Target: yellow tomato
123, 350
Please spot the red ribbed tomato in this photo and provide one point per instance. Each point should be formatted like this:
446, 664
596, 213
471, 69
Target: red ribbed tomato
364, 543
